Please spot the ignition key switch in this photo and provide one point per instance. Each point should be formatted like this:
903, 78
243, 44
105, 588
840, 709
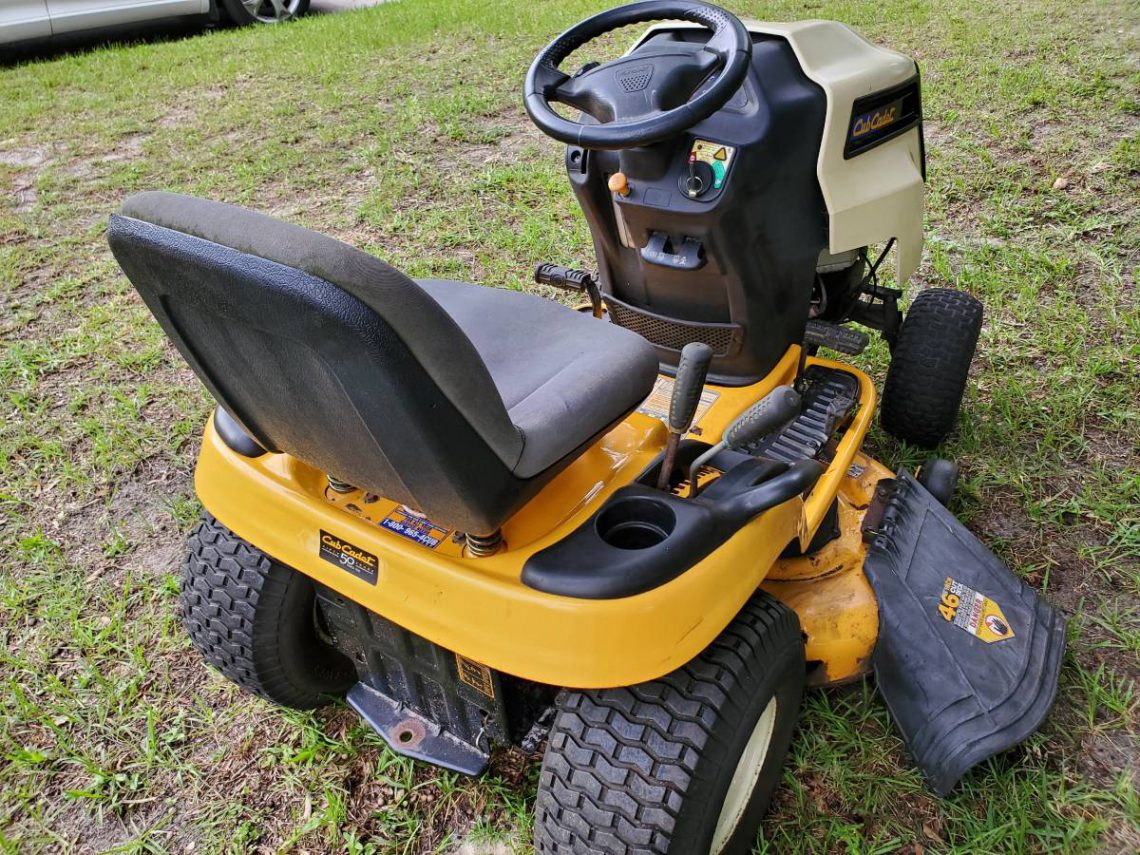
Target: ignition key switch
700, 179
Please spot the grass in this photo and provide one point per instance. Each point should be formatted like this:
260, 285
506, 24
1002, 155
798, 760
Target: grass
399, 128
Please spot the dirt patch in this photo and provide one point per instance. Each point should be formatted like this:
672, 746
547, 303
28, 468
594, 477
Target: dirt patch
1105, 755
26, 164
21, 158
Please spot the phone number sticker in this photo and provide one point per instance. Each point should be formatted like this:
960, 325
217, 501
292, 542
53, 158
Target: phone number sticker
415, 526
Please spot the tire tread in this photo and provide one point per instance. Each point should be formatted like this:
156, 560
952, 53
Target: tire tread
620, 761
930, 365
231, 602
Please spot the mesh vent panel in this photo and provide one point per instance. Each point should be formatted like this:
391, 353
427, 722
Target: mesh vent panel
665, 332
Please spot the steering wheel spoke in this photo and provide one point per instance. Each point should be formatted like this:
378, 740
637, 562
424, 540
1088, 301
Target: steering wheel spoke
549, 80
719, 45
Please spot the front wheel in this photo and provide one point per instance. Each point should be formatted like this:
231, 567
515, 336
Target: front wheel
929, 365
684, 765
264, 11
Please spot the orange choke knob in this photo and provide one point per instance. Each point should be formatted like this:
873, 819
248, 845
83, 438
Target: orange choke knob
619, 184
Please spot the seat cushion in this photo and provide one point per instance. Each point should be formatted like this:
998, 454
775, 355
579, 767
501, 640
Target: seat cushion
563, 375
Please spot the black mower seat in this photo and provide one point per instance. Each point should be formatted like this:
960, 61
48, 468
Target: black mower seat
459, 400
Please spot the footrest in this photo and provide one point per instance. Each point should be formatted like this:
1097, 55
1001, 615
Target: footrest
409, 733
844, 339
829, 397
968, 655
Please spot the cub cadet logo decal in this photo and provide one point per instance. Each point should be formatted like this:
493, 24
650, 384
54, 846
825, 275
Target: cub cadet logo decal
876, 119
973, 612
348, 557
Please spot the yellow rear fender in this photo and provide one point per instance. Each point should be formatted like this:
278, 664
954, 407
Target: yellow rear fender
418, 573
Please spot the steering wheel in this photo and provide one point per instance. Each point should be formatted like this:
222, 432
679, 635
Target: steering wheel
643, 98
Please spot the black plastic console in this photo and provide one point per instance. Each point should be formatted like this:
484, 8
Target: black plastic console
642, 537
718, 237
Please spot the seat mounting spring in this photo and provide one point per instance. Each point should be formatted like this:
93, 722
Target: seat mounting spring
483, 545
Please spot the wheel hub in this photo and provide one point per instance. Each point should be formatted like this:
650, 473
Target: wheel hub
272, 11
744, 778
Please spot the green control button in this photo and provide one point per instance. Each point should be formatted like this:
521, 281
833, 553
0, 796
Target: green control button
718, 173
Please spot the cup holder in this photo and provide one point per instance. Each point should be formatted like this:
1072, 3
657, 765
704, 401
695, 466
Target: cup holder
636, 523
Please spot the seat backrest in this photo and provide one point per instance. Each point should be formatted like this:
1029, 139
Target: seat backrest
327, 353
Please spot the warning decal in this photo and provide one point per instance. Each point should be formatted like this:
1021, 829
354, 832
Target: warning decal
716, 155
657, 404
415, 526
976, 613
475, 675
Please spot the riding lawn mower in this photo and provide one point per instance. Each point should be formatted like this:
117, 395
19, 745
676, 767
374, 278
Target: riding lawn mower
631, 531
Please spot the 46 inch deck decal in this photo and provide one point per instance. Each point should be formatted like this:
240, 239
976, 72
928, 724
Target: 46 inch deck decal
344, 555
976, 613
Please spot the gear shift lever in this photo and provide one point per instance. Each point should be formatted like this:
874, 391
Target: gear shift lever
687, 387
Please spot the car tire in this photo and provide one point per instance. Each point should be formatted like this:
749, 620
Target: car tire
929, 365
263, 13
684, 765
256, 621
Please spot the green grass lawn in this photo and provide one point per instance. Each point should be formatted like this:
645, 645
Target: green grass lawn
400, 129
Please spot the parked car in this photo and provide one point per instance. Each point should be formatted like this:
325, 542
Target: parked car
31, 20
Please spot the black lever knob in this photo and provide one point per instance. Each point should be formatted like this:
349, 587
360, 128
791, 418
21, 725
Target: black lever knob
570, 279
774, 409
692, 371
561, 277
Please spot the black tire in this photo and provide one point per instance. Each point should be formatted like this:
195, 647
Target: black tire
255, 621
647, 768
929, 365
240, 15
940, 478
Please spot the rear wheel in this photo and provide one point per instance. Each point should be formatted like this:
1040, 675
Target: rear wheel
929, 365
264, 11
256, 621
684, 765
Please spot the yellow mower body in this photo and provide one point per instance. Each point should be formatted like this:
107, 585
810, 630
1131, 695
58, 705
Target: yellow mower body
479, 607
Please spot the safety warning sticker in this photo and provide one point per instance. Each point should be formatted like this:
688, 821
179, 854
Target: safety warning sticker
974, 612
716, 155
415, 526
475, 675
657, 404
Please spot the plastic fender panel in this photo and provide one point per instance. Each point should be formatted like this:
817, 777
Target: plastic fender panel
968, 655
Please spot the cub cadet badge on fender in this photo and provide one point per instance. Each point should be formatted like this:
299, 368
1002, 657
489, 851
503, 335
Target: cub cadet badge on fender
634, 533
348, 557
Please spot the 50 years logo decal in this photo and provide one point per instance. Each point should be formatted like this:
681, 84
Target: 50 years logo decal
344, 555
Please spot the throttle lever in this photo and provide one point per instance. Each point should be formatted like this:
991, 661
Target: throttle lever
692, 370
